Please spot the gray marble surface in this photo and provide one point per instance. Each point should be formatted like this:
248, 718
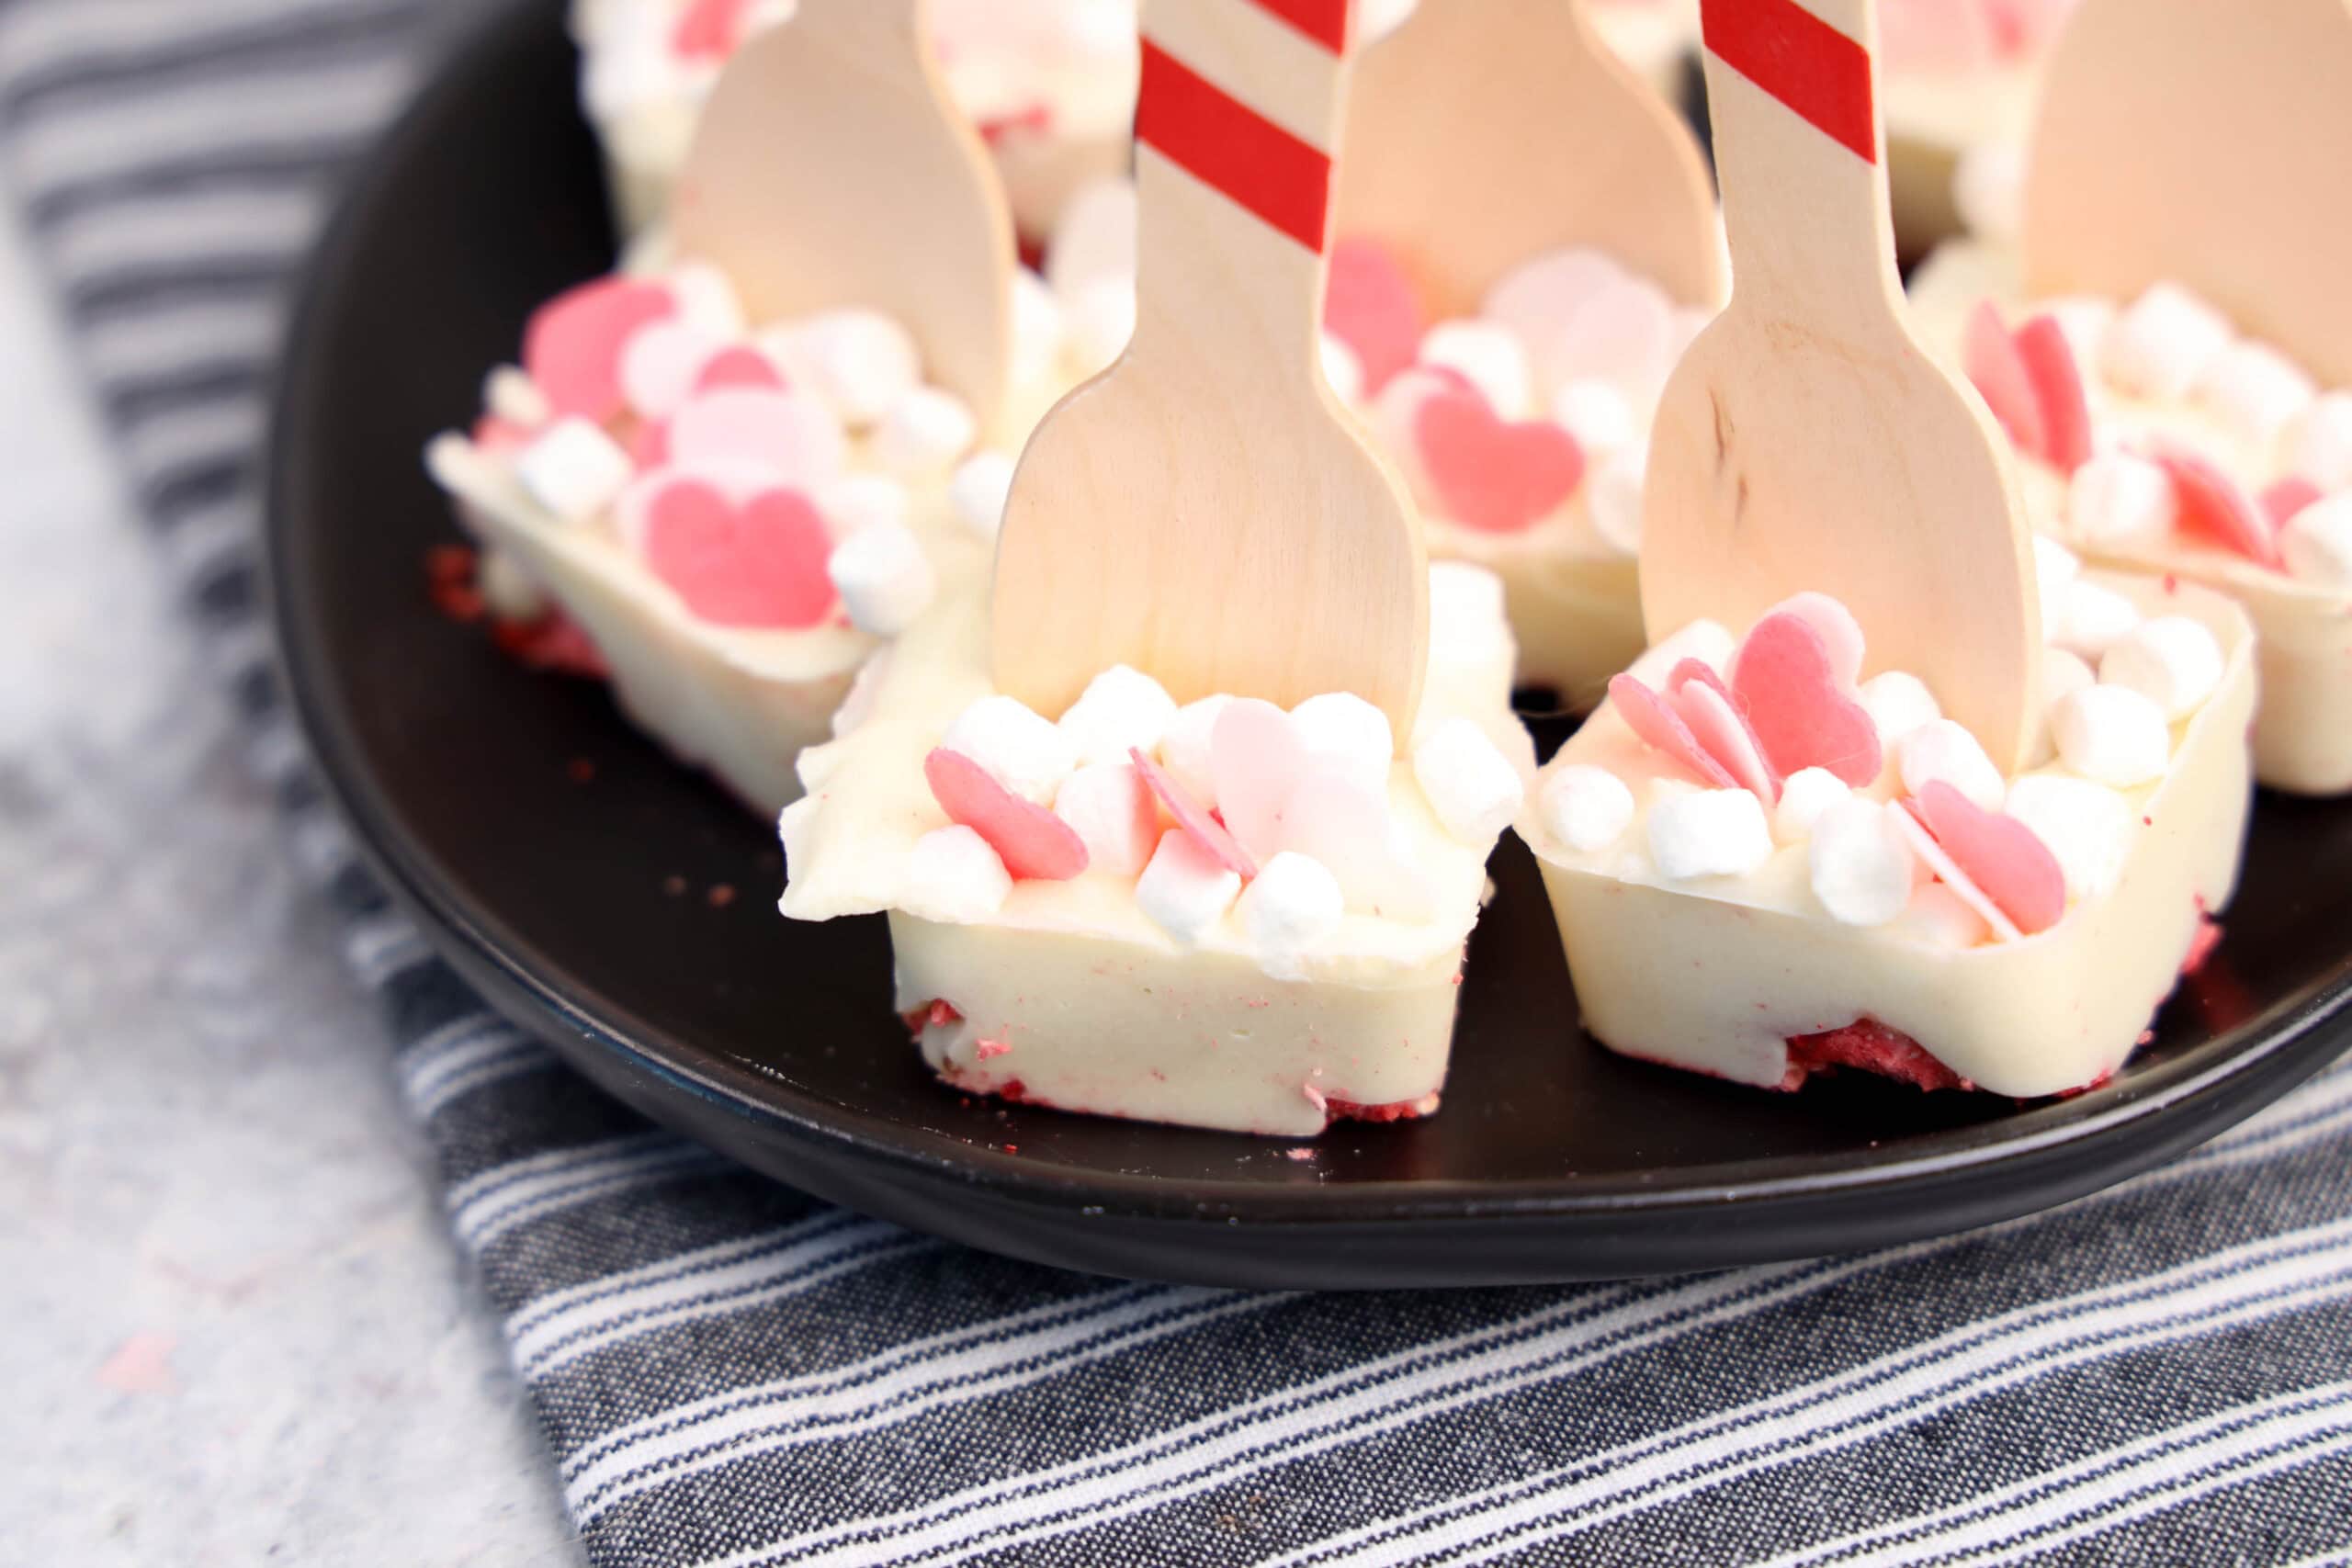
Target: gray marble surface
233, 1329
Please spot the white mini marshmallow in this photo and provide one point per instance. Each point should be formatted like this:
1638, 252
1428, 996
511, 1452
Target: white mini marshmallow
2171, 660
2255, 390
575, 470
1470, 784
1185, 890
1898, 702
1113, 812
660, 363
953, 876
2054, 566
1804, 795
2086, 825
1708, 832
2091, 619
706, 299
2085, 319
2319, 444
1037, 329
1292, 908
1098, 321
924, 434
860, 500
882, 577
1485, 354
1612, 488
860, 364
1120, 709
2317, 543
1596, 414
1342, 727
978, 489
2062, 673
2116, 497
1946, 752
510, 591
1184, 747
1988, 190
1585, 807
1707, 641
1938, 917
1094, 237
1022, 749
2164, 344
1860, 864
1344, 369
508, 392
2111, 734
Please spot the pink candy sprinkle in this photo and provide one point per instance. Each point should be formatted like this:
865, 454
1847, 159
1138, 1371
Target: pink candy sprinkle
1489, 473
2003, 856
742, 366
2287, 499
1802, 714
710, 30
1720, 723
2216, 505
572, 346
1995, 365
2049, 359
1205, 829
1370, 306
759, 563
1033, 842
1658, 725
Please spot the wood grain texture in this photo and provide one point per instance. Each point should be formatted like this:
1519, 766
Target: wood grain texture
1483, 132
1808, 442
2208, 144
1205, 509
833, 169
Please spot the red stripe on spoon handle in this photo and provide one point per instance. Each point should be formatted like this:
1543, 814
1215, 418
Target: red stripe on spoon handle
1816, 72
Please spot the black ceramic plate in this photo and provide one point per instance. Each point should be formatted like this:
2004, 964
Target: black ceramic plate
539, 842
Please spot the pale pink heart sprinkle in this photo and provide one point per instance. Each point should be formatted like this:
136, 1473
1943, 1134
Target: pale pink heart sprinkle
2001, 854
1948, 872
1659, 726
741, 365
1196, 821
2048, 355
660, 364
1625, 334
2216, 505
788, 433
1997, 368
2287, 500
1033, 843
1489, 473
1343, 821
1716, 721
1369, 305
752, 565
572, 346
1255, 759
1797, 690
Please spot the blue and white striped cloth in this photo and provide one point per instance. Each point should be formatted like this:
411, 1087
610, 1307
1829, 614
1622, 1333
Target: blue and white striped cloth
732, 1373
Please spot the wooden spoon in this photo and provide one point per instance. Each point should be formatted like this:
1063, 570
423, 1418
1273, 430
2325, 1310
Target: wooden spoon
833, 169
1205, 509
1806, 441
2205, 144
1483, 132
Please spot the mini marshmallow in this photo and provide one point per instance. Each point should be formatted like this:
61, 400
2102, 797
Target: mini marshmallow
660, 363
706, 300
2091, 619
1094, 238
924, 434
1342, 368
1988, 190
1112, 810
1804, 795
1708, 832
882, 577
2171, 660
1860, 864
2317, 543
1612, 489
1596, 414
1184, 747
509, 393
1585, 807
2085, 319
2255, 390
575, 470
511, 591
1470, 784
1342, 727
954, 877
2062, 673
1944, 751
1098, 321
1898, 702
2086, 825
2116, 497
978, 489
2164, 344
1709, 642
1121, 710
1184, 890
2054, 566
860, 364
1037, 329
1022, 751
1938, 917
2111, 734
1291, 908
1485, 354
861, 501
2319, 445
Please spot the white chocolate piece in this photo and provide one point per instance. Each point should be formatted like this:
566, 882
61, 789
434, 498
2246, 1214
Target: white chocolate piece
1898, 702
1708, 832
1706, 641
1943, 751
1470, 785
2165, 343
1022, 751
924, 434
1291, 910
1489, 358
1111, 810
1121, 710
1342, 728
574, 470
1859, 864
1183, 890
2111, 734
2088, 826
2116, 497
2317, 543
707, 300
2172, 661
509, 393
883, 577
1804, 795
1185, 745
954, 875
1589, 809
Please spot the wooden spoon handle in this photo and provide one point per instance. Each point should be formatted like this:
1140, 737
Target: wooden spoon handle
1238, 115
1791, 85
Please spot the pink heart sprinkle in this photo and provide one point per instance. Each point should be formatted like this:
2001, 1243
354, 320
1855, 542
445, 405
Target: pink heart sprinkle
759, 564
788, 433
1996, 366
1490, 474
1203, 827
1369, 305
1648, 716
572, 346
1255, 759
710, 30
2287, 499
1717, 722
650, 447
1033, 843
1802, 714
742, 366
2048, 360
2216, 505
2000, 854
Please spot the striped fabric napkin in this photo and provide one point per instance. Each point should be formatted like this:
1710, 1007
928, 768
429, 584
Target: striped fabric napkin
730, 1372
